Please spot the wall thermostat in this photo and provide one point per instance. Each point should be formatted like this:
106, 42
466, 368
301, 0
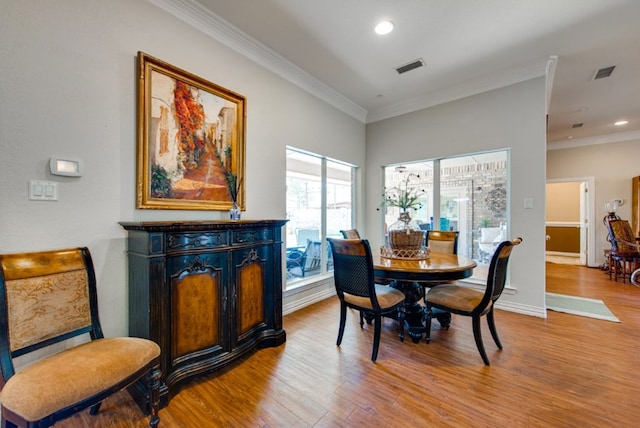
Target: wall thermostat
68, 167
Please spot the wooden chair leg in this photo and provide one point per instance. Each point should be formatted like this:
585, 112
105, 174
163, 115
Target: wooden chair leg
492, 329
610, 265
477, 334
153, 384
401, 313
343, 320
376, 336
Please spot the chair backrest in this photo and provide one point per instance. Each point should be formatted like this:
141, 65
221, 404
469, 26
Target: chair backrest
621, 235
350, 234
45, 298
353, 268
497, 274
442, 241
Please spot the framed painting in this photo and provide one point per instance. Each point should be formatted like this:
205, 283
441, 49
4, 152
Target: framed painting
191, 140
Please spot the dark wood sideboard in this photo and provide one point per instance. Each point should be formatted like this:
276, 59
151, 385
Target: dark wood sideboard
208, 292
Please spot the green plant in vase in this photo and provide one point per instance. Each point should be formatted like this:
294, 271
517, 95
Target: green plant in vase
404, 234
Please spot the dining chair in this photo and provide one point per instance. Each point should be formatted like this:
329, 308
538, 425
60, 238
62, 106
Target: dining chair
442, 241
350, 234
47, 298
357, 289
624, 256
462, 300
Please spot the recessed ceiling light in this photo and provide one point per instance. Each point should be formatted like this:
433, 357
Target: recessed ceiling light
384, 27
621, 122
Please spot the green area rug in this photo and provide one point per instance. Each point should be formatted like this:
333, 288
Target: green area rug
580, 306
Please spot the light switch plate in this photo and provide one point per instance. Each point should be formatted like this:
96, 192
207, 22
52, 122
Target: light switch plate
528, 203
43, 190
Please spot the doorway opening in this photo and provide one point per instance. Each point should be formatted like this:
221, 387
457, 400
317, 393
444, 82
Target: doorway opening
570, 231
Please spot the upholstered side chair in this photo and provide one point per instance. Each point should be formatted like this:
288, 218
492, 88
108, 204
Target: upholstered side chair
462, 300
49, 297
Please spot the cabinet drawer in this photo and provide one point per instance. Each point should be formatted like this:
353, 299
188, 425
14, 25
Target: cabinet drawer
195, 241
251, 235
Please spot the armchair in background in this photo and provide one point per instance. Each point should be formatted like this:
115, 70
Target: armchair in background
624, 256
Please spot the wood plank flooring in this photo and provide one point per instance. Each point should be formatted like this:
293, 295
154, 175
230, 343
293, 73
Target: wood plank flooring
562, 371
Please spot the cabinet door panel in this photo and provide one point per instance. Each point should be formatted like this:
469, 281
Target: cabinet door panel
198, 300
195, 311
250, 296
251, 275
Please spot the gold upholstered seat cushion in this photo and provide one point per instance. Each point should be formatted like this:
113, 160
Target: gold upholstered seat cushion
387, 298
455, 297
63, 379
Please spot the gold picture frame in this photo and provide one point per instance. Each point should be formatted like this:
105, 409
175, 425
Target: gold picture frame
191, 140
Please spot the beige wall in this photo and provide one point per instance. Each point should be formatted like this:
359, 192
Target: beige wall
563, 202
613, 165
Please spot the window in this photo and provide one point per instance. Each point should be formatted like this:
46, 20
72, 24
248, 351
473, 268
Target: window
465, 193
319, 205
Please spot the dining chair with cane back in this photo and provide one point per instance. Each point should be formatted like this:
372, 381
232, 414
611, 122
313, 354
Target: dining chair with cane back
442, 241
473, 303
356, 288
47, 298
624, 255
350, 234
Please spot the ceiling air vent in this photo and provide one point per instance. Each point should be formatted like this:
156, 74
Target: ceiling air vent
411, 66
604, 72
577, 125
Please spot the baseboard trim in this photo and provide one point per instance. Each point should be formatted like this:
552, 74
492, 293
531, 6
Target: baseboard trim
302, 302
534, 311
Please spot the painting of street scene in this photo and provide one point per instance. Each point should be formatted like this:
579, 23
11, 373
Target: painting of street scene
194, 147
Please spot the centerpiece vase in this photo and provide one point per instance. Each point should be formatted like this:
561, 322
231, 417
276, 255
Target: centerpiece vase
405, 234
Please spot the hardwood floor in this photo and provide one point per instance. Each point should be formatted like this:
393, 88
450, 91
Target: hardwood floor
562, 371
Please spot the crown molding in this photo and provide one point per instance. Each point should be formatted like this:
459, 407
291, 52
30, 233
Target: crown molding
506, 77
590, 141
224, 32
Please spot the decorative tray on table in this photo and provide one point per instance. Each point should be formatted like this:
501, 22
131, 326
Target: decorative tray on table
404, 253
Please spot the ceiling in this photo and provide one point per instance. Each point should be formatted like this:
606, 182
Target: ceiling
468, 47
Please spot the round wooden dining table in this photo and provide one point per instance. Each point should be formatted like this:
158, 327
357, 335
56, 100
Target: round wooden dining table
413, 275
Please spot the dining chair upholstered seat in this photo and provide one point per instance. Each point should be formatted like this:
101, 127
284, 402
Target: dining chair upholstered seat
49, 297
356, 288
462, 300
442, 241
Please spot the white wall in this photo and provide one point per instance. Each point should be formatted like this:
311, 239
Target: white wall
67, 88
613, 165
512, 117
